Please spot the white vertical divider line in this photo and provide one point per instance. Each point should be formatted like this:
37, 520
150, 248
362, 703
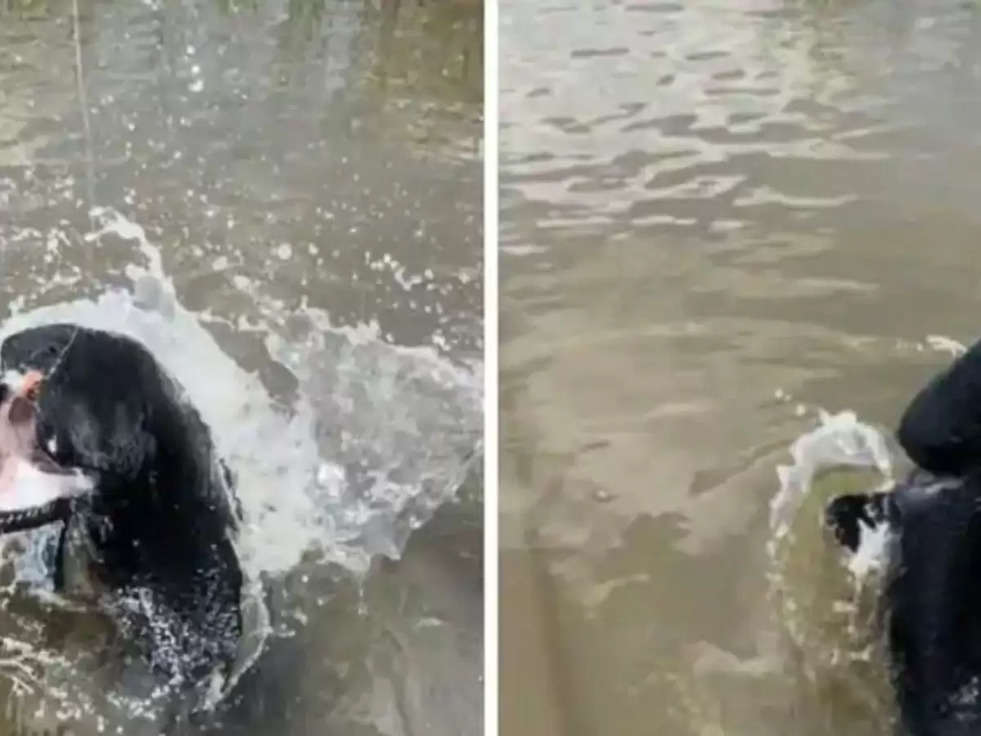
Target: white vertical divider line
491, 422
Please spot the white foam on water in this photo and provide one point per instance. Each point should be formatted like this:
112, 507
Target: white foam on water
840, 440
943, 344
376, 439
870, 557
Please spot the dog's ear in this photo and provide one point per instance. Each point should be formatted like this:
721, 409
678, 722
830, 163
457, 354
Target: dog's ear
37, 348
941, 428
92, 407
846, 515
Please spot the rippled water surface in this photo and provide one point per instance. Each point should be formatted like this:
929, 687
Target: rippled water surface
717, 219
282, 199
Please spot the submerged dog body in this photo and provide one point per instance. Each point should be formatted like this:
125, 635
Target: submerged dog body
131, 469
932, 594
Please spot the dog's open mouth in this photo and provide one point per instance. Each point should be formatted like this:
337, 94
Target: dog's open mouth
34, 489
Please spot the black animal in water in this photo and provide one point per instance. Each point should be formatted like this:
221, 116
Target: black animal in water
95, 434
932, 593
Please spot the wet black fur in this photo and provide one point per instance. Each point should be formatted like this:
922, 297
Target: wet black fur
932, 593
160, 520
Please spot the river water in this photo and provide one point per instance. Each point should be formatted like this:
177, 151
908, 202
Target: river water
718, 219
283, 200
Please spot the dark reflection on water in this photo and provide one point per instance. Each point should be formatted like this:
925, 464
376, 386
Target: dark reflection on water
283, 155
716, 218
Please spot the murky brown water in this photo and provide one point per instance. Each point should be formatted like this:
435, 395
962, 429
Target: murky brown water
716, 218
288, 159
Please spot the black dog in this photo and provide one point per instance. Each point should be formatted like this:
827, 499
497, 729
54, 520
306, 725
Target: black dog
933, 587
158, 519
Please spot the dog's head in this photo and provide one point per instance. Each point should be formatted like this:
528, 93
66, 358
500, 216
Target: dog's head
90, 413
78, 411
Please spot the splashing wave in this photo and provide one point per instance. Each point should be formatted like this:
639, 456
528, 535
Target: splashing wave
376, 437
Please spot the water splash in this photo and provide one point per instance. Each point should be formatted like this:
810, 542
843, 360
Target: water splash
840, 440
944, 344
825, 603
376, 437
